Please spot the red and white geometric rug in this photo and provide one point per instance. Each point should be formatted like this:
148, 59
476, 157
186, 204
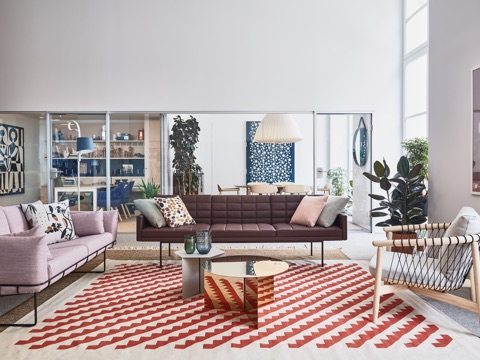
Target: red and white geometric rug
136, 310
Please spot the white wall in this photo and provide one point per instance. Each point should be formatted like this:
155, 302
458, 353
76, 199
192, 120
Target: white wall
212, 55
454, 52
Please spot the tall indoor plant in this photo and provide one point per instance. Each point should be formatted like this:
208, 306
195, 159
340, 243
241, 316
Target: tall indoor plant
403, 202
183, 140
417, 152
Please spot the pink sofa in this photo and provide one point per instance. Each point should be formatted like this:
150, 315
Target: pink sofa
28, 264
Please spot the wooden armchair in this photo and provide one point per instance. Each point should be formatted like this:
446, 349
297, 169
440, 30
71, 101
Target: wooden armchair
429, 264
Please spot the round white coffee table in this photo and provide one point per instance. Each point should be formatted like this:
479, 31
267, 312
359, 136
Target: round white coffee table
192, 270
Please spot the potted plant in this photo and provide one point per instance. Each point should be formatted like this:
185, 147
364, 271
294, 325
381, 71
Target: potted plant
183, 140
149, 189
417, 152
338, 179
403, 202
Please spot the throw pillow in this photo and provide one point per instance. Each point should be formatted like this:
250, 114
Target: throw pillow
174, 211
309, 210
333, 207
467, 222
88, 222
35, 231
54, 219
151, 211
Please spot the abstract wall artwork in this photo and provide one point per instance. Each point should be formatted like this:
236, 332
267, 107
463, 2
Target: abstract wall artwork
475, 186
268, 163
12, 164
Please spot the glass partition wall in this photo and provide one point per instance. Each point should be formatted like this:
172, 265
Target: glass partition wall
342, 155
125, 152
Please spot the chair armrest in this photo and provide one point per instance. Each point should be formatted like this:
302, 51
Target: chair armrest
433, 226
467, 239
23, 261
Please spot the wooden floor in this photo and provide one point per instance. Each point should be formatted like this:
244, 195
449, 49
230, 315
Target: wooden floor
127, 225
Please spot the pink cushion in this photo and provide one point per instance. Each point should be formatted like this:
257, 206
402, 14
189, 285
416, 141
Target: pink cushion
35, 231
88, 222
309, 210
16, 219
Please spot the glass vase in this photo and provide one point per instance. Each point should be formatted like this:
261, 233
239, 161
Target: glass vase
189, 244
204, 241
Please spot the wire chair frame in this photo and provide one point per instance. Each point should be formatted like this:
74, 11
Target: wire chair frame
428, 263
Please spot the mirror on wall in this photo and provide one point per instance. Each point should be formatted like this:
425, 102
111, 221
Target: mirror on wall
360, 144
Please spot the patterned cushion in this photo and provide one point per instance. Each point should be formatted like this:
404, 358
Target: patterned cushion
174, 211
54, 219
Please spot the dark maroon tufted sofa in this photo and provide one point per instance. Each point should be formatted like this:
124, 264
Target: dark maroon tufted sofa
244, 219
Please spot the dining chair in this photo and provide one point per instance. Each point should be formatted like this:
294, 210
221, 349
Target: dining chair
115, 198
223, 189
326, 188
295, 189
126, 192
263, 189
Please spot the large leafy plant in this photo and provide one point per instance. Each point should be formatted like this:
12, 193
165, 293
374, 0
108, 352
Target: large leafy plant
403, 201
183, 141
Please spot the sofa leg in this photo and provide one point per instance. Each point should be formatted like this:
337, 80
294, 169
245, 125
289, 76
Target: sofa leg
311, 249
34, 315
98, 271
169, 253
160, 254
322, 253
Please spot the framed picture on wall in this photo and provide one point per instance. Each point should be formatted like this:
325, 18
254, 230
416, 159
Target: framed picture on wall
12, 160
475, 186
268, 163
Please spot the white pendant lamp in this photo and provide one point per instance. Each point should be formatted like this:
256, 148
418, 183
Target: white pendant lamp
278, 128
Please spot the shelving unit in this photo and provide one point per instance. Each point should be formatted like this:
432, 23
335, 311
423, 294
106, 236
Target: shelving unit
126, 157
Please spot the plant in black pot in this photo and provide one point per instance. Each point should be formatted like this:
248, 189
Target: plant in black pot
183, 140
403, 202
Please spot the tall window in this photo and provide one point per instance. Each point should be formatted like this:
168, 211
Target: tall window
415, 90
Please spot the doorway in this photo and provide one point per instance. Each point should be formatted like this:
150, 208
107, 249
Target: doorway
343, 143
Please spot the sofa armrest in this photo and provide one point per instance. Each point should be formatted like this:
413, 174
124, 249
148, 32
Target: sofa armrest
341, 221
142, 223
110, 222
23, 261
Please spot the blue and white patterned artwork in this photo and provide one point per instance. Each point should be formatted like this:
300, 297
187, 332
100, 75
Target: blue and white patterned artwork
268, 163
